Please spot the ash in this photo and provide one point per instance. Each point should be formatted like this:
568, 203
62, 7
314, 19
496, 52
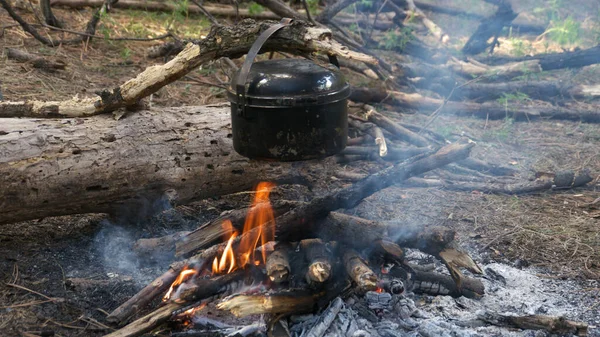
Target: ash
509, 291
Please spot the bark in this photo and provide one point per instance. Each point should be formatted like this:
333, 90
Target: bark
486, 167
160, 6
222, 41
158, 246
99, 165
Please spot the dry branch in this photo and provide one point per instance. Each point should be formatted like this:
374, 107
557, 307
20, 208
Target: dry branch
35, 60
489, 110
148, 322
222, 41
554, 325
394, 128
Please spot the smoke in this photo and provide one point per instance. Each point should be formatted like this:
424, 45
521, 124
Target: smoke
115, 240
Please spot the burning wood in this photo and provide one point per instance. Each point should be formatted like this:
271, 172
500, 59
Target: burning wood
278, 264
358, 270
245, 305
318, 256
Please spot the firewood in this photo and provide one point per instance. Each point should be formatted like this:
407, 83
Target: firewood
486, 167
279, 303
392, 285
358, 270
391, 249
298, 223
454, 258
201, 288
278, 264
326, 318
213, 232
552, 324
318, 257
157, 288
432, 283
148, 322
393, 153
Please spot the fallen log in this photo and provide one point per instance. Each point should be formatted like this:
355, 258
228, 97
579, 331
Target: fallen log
554, 325
553, 61
563, 180
99, 165
35, 60
222, 41
160, 6
489, 110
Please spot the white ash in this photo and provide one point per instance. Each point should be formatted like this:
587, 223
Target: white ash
508, 291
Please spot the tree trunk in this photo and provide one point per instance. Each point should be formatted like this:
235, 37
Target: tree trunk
57, 167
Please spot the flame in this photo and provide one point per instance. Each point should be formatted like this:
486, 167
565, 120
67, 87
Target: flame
379, 290
260, 213
228, 257
184, 275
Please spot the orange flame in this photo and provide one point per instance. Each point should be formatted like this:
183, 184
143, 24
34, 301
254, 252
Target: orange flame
184, 275
260, 214
379, 290
228, 257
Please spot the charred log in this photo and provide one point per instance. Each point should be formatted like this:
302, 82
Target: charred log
318, 257
359, 271
278, 264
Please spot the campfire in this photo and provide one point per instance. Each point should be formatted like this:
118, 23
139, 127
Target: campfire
251, 272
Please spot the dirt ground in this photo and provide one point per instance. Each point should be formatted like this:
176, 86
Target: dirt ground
43, 264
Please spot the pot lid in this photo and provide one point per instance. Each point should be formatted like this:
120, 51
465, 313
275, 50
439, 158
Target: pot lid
291, 82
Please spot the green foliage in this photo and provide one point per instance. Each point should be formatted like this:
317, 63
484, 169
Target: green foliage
564, 32
396, 39
255, 8
125, 53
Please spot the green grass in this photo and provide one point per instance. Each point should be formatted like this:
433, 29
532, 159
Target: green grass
396, 39
502, 134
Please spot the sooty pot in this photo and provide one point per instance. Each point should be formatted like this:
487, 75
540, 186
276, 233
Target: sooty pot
288, 109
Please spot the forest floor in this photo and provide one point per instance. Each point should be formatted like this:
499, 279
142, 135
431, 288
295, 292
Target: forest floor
555, 232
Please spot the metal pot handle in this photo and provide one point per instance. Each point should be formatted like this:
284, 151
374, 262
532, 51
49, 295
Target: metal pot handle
240, 86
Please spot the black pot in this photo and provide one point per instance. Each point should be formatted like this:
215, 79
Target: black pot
288, 109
